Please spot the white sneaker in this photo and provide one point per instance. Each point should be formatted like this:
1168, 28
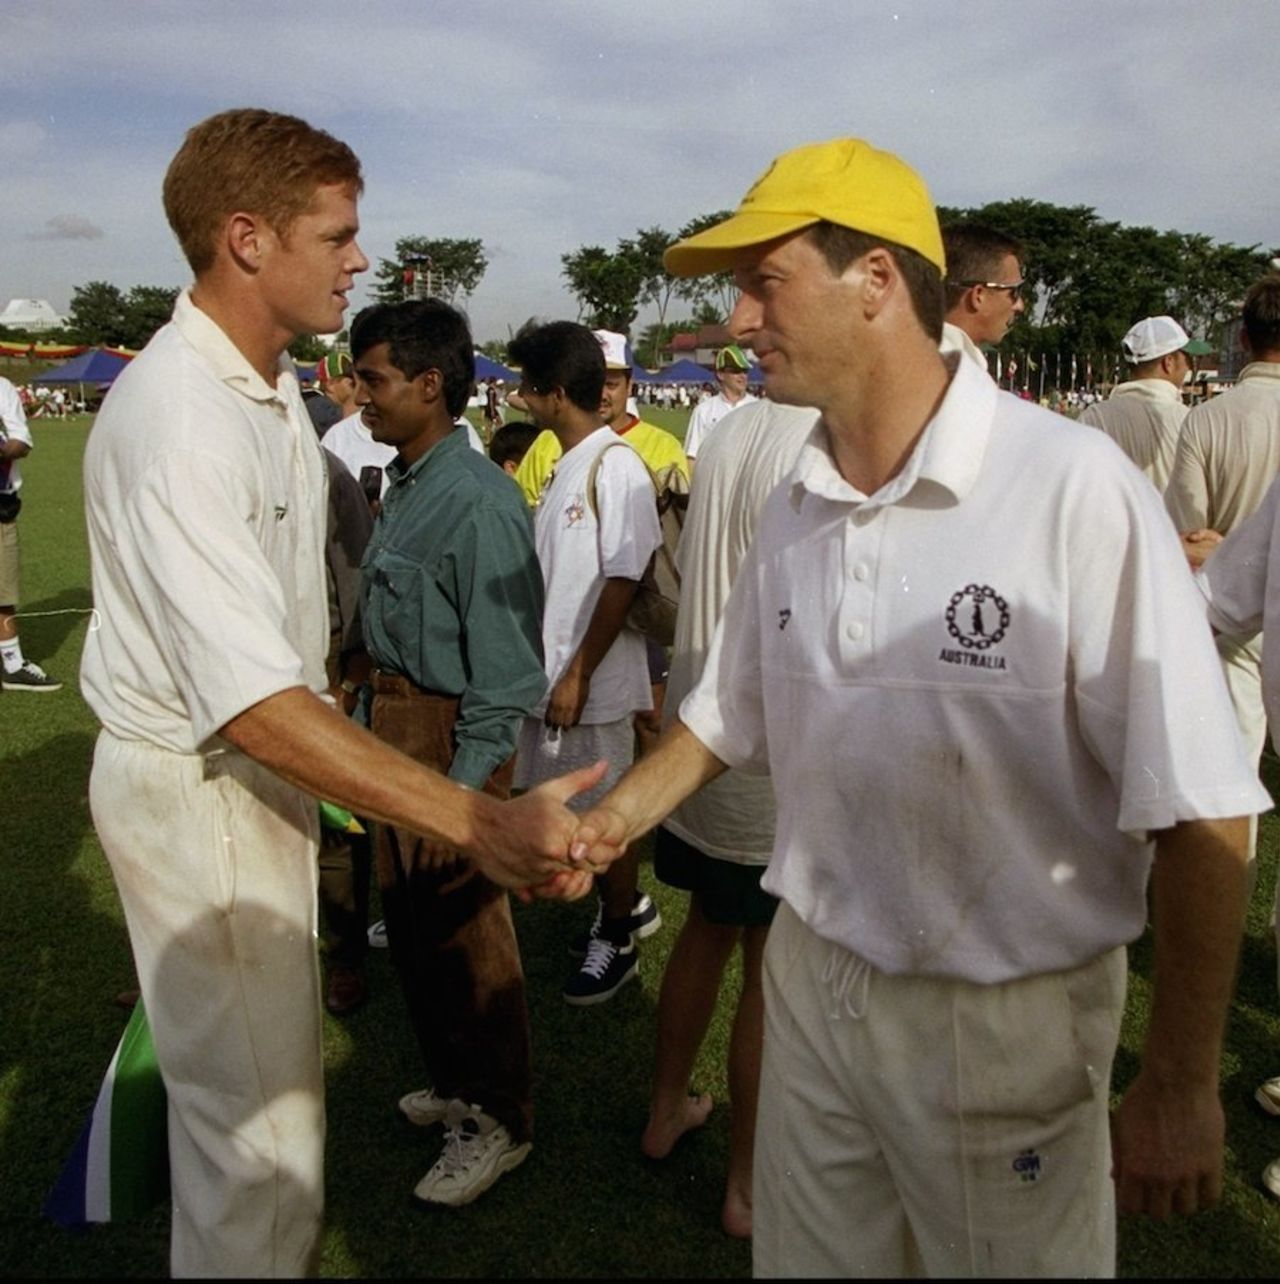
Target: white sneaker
378, 935
477, 1151
1271, 1178
1268, 1096
423, 1108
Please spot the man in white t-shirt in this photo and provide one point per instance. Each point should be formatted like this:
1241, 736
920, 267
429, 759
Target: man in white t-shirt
731, 374
17, 673
966, 645
984, 288
1144, 414
596, 527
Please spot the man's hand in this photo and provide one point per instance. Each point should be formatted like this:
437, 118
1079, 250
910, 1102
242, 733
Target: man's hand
1198, 544
436, 857
525, 842
600, 839
1167, 1143
568, 699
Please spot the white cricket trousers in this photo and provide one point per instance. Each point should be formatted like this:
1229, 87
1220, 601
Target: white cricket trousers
215, 859
916, 1126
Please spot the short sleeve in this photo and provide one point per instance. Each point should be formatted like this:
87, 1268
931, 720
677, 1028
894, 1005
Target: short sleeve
725, 710
212, 603
628, 514
1150, 697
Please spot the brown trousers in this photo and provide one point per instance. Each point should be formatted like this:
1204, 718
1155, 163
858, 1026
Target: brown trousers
450, 933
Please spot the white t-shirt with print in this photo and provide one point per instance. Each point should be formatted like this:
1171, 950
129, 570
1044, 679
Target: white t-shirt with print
579, 553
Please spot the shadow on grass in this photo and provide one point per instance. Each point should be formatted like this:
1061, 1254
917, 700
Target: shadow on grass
45, 625
58, 1029
584, 1200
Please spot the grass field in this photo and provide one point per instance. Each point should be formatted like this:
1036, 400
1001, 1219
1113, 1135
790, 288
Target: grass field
585, 1204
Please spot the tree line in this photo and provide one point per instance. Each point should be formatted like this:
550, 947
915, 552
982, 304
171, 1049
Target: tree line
1088, 280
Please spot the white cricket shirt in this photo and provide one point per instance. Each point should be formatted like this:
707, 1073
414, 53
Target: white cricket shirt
978, 690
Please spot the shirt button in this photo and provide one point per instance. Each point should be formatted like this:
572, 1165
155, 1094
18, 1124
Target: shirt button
861, 571
855, 631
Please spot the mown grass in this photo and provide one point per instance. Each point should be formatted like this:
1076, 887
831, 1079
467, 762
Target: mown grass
586, 1203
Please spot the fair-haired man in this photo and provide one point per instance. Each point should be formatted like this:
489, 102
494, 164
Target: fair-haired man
984, 284
1144, 414
963, 705
204, 491
731, 375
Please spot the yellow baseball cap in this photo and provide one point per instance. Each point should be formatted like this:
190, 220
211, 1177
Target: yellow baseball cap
844, 181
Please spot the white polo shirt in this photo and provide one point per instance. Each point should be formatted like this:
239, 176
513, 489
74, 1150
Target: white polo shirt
706, 414
578, 553
732, 817
977, 691
205, 495
955, 339
13, 425
1143, 417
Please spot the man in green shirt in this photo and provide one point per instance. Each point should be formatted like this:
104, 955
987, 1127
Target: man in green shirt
452, 599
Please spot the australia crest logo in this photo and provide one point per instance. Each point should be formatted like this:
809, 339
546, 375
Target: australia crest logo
977, 617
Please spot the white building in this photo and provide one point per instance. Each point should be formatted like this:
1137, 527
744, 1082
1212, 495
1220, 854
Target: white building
32, 315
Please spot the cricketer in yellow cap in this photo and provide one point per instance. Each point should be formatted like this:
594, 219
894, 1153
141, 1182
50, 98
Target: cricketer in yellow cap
965, 646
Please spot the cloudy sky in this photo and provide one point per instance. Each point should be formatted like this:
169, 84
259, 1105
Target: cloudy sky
545, 125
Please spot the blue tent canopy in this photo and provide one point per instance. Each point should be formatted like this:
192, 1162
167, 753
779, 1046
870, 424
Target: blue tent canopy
684, 371
94, 366
487, 368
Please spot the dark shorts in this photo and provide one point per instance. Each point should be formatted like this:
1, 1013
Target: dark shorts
728, 893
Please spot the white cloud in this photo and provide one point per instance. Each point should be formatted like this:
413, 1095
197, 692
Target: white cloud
545, 127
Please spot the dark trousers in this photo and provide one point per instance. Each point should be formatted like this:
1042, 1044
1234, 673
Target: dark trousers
345, 863
450, 933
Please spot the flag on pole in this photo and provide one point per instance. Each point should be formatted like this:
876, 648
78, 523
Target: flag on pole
119, 1167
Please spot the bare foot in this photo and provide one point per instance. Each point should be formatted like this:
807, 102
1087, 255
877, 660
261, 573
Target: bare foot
735, 1216
665, 1130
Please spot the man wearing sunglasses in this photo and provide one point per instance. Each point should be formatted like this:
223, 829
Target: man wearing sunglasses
984, 286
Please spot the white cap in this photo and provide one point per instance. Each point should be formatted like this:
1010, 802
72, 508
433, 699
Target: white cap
1154, 337
617, 351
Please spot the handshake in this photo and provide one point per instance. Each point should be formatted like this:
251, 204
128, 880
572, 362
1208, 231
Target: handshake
537, 847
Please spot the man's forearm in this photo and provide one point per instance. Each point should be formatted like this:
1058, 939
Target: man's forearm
1198, 913
607, 621
679, 765
299, 737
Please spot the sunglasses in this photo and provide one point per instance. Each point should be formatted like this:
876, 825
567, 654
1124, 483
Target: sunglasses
1015, 288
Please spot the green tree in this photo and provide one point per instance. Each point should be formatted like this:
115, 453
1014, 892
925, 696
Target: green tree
97, 313
607, 285
146, 309
456, 267
657, 286
494, 349
306, 347
1089, 279
717, 291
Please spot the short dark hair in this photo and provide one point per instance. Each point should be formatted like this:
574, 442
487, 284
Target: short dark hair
841, 246
1262, 314
560, 354
974, 252
421, 335
512, 441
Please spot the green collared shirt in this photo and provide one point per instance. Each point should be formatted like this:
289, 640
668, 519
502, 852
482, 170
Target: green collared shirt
452, 597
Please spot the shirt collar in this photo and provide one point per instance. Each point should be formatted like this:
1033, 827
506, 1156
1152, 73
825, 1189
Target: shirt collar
1155, 389
231, 366
1260, 370
453, 441
948, 453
